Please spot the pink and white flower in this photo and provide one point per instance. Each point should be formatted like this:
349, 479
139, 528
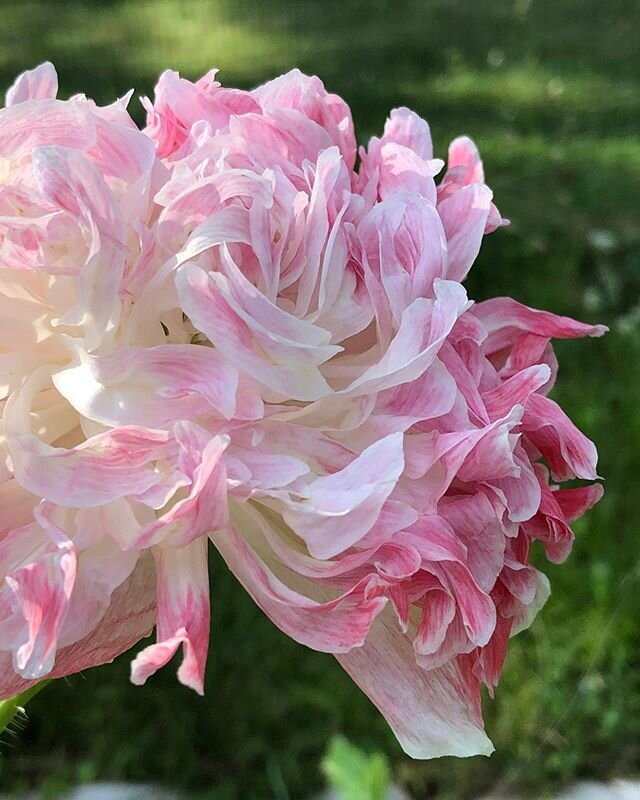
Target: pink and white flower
217, 329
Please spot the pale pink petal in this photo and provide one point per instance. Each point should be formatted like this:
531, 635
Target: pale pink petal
525, 615
341, 508
432, 713
264, 469
283, 140
405, 127
423, 329
40, 83
437, 543
405, 246
401, 160
307, 95
464, 155
390, 558
492, 457
427, 398
464, 216
520, 580
101, 565
468, 405
330, 176
402, 170
69, 180
195, 204
519, 494
107, 466
515, 390
474, 520
156, 386
395, 516
50, 122
437, 457
435, 540
292, 368
464, 169
179, 104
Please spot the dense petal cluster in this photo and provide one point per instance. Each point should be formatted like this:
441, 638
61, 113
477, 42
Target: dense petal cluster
218, 329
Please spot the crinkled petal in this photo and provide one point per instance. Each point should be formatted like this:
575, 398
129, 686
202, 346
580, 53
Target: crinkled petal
183, 615
205, 508
130, 616
41, 591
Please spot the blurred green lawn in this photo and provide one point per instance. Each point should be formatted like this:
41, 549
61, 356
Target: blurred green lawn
550, 90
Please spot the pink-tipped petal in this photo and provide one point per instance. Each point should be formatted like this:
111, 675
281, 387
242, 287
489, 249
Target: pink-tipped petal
41, 591
330, 626
183, 615
567, 451
205, 508
505, 318
130, 616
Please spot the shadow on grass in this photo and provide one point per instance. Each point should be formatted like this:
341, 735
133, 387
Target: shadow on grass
550, 92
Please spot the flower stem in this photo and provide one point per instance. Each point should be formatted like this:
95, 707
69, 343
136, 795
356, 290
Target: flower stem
9, 708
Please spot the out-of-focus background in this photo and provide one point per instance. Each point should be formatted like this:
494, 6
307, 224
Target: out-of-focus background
550, 91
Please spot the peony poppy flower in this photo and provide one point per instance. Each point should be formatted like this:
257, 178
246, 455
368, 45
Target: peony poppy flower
219, 329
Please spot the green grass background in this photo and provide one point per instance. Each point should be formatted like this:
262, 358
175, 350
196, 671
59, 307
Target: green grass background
550, 91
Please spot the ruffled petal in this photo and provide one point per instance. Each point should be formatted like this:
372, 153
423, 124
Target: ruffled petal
567, 451
505, 319
291, 367
341, 508
205, 508
328, 625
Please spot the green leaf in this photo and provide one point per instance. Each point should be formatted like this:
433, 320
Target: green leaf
354, 774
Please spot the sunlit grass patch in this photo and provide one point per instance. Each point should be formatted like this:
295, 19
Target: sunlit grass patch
533, 86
